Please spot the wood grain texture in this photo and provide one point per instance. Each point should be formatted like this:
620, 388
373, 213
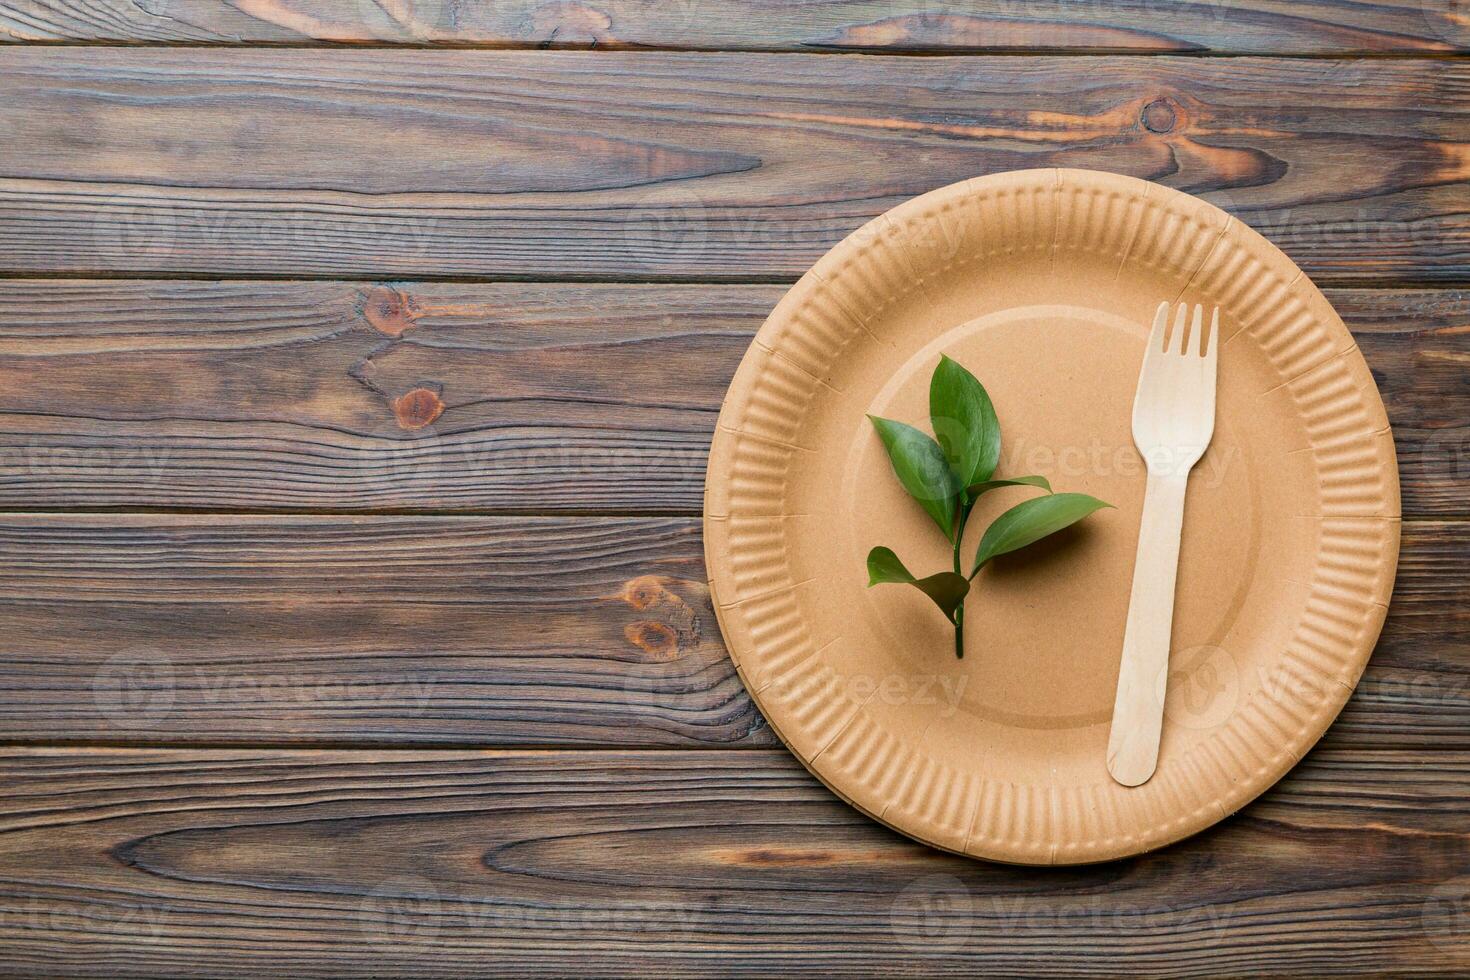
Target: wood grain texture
401, 630
890, 26
372, 650
209, 863
657, 166
484, 631
559, 398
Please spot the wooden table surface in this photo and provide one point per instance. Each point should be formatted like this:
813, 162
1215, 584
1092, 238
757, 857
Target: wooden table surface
358, 363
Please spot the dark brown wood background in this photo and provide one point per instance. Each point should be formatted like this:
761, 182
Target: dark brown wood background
358, 360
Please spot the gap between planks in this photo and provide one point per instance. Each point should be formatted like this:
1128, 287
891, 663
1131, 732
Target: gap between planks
1383, 283
817, 50
398, 746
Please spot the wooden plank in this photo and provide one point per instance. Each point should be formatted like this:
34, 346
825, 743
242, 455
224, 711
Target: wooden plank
238, 630
889, 26
735, 864
1417, 344
559, 398
485, 631
657, 166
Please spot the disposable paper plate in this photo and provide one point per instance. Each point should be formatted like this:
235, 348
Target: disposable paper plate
1043, 283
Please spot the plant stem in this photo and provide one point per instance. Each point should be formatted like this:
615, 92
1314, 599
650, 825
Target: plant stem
959, 613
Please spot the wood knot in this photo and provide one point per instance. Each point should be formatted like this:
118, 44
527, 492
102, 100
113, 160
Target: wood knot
390, 311
1159, 116
655, 639
676, 628
786, 857
644, 591
673, 632
417, 408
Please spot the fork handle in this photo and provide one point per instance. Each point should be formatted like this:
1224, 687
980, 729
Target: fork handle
1138, 711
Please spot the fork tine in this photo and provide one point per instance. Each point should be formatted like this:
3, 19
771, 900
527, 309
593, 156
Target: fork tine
1214, 345
1197, 333
1157, 335
1176, 336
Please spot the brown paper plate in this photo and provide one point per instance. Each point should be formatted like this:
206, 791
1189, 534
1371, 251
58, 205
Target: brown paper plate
1043, 283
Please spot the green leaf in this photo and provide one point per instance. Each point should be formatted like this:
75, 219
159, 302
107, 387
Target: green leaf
885, 566
964, 422
922, 469
976, 489
1030, 521
947, 589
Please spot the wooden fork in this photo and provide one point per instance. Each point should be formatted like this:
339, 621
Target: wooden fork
1173, 422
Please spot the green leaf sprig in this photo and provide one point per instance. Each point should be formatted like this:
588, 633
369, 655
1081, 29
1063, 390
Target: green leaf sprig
948, 473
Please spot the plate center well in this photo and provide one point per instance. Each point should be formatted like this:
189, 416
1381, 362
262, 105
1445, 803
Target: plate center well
1044, 626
